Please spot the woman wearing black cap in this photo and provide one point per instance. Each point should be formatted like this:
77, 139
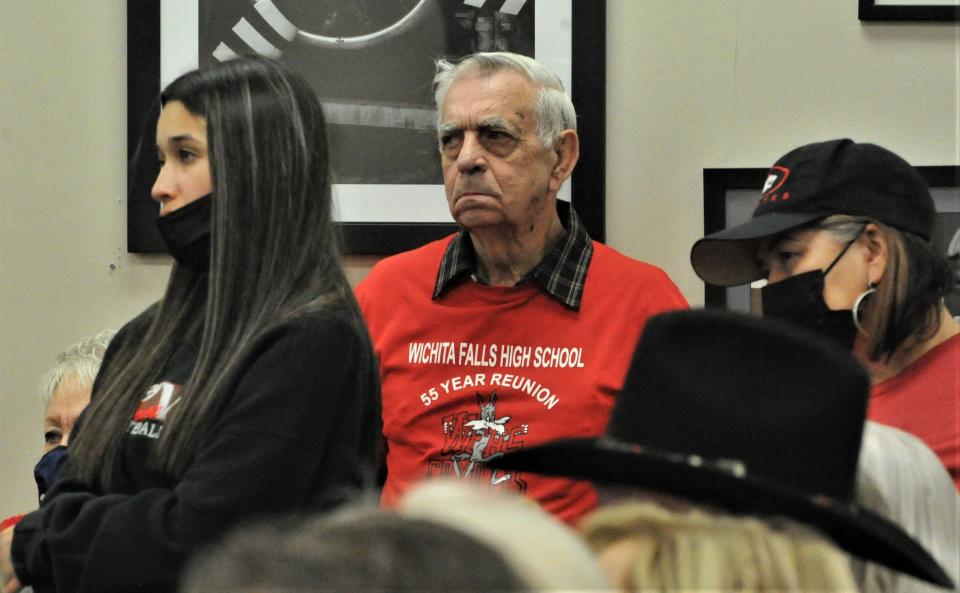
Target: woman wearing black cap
842, 235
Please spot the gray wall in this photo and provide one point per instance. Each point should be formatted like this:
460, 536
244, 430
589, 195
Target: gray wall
691, 84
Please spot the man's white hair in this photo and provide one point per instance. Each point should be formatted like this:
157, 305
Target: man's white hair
554, 109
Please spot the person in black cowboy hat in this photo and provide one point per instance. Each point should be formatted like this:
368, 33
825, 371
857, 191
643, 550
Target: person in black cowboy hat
842, 234
745, 415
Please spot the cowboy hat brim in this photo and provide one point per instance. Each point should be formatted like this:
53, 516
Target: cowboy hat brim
729, 486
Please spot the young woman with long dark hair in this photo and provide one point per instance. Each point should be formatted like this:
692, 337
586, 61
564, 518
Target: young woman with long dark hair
250, 388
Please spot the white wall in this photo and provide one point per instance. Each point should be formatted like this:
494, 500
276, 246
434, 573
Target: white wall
691, 84
64, 271
694, 84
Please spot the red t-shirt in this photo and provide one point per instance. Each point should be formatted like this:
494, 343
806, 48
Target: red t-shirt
924, 399
483, 370
10, 521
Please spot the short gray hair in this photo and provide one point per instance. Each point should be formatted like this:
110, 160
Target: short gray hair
554, 110
843, 227
80, 362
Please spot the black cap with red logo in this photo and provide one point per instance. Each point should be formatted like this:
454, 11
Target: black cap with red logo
809, 184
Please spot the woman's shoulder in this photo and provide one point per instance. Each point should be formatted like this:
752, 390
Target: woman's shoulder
132, 331
320, 325
325, 316
308, 348
136, 326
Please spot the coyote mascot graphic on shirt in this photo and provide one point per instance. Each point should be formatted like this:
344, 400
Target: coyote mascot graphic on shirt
485, 427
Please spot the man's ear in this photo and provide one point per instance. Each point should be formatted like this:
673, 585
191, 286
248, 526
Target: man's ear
877, 252
567, 148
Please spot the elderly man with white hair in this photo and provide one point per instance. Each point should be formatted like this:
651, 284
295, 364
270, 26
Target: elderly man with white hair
517, 329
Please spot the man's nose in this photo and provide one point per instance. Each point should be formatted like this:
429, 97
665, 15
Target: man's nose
472, 157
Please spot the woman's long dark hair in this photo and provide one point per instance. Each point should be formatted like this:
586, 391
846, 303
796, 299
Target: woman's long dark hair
274, 254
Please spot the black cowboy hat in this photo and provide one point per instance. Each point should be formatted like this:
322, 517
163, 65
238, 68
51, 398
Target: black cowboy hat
744, 414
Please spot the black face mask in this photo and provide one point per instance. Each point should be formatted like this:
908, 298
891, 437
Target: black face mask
799, 300
186, 231
47, 470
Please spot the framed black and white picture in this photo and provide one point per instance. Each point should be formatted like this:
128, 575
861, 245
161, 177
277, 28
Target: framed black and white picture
909, 10
371, 62
731, 195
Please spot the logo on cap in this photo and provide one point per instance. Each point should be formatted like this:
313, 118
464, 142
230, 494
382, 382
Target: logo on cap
775, 180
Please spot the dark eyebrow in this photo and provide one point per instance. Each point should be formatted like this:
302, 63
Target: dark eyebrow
178, 140
182, 138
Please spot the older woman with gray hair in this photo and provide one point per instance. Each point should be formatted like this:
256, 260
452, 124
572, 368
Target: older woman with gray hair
65, 391
65, 387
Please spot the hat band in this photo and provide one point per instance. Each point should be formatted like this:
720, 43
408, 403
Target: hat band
732, 467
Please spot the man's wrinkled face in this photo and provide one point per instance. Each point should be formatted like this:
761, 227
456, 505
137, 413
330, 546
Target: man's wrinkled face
496, 170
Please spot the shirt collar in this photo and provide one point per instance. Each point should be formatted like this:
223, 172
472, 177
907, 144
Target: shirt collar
561, 273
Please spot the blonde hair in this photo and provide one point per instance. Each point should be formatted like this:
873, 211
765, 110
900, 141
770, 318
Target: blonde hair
695, 550
543, 551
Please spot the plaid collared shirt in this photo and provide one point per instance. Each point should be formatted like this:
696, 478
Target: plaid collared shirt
562, 271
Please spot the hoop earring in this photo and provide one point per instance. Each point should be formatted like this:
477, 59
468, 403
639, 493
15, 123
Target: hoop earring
856, 307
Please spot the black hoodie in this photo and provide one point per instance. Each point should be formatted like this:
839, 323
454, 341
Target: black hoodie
298, 433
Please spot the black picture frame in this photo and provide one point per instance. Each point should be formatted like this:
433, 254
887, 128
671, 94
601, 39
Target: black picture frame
869, 10
719, 183
588, 87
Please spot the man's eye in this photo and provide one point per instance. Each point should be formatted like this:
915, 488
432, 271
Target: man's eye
497, 136
450, 143
498, 142
53, 437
